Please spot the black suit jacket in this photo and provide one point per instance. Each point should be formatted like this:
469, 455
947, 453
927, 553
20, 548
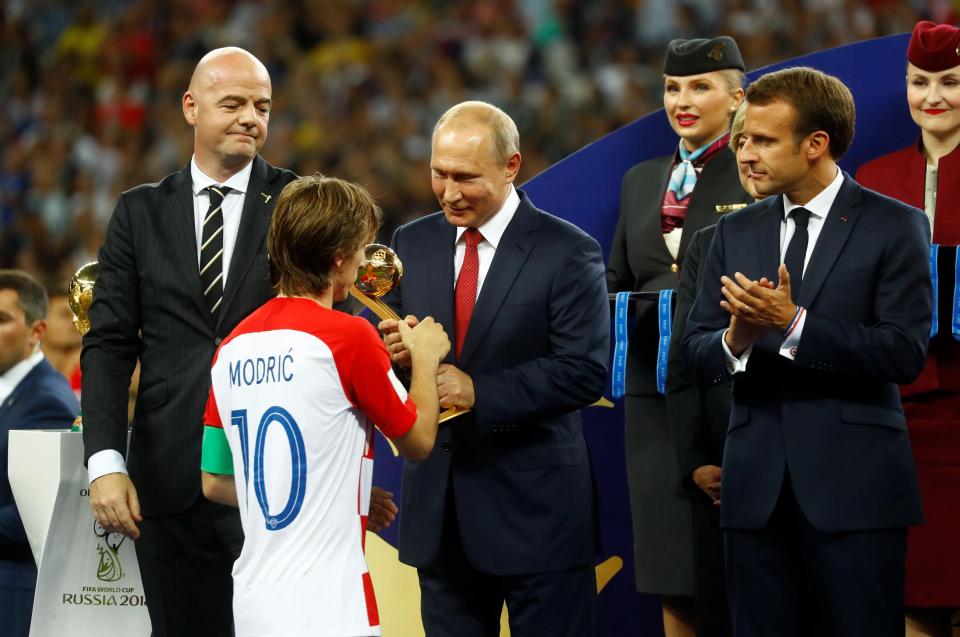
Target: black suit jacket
832, 416
42, 400
699, 414
639, 258
536, 349
148, 303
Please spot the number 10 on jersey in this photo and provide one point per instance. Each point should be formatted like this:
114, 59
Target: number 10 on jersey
298, 463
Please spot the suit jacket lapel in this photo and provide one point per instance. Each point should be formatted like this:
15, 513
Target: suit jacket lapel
512, 252
181, 217
768, 238
257, 206
440, 281
836, 229
28, 381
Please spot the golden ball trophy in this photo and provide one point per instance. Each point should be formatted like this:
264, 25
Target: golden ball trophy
380, 271
80, 296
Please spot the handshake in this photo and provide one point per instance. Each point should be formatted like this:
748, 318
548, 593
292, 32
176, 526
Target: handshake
410, 340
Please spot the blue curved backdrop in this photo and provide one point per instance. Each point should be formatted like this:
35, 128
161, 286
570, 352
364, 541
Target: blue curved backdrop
585, 189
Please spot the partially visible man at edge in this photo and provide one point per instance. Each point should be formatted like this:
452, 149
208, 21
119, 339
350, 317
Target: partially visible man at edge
33, 395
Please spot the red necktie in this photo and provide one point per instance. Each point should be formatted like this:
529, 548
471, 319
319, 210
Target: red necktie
466, 292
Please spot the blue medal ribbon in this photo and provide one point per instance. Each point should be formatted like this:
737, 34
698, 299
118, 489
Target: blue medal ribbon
620, 344
665, 323
934, 255
955, 327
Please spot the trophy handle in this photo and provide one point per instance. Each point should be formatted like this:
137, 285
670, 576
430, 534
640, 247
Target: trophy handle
378, 307
452, 412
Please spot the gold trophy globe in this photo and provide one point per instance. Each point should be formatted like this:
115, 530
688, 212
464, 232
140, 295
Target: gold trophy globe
380, 271
80, 296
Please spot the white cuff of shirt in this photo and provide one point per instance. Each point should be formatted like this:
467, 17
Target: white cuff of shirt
788, 349
735, 365
104, 462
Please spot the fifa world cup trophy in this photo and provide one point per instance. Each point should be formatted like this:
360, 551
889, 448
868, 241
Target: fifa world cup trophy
80, 294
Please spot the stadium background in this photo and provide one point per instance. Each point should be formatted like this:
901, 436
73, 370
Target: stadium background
91, 91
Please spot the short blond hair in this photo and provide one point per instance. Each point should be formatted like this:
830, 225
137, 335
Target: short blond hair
504, 136
738, 125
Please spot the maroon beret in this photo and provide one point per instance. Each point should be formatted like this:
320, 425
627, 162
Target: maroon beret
934, 47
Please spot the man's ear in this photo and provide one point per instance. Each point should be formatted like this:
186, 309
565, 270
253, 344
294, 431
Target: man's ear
189, 104
512, 167
819, 145
37, 330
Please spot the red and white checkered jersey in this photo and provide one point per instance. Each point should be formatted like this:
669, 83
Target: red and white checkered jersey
296, 390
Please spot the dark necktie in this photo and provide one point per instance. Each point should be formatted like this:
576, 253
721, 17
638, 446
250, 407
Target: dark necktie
797, 250
211, 249
466, 291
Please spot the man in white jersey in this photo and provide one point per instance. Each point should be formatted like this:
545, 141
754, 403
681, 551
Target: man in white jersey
297, 389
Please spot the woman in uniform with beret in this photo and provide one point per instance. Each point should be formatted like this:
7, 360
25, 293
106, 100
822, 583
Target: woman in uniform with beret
926, 174
664, 201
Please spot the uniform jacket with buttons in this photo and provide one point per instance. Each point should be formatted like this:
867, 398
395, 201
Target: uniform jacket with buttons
639, 258
831, 417
148, 304
903, 175
536, 350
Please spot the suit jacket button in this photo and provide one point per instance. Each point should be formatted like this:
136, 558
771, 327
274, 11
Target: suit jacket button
674, 268
445, 445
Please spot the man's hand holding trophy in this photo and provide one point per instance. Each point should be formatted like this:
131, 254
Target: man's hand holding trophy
380, 271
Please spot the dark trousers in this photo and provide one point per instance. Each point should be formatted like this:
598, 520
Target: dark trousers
712, 618
16, 607
790, 579
185, 563
458, 600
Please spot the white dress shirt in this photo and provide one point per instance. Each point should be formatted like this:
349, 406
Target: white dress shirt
492, 231
819, 208
13, 376
111, 460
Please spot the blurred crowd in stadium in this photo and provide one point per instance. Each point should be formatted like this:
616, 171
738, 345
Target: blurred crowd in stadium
90, 91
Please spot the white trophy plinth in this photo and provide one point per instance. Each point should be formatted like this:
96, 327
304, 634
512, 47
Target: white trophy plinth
88, 582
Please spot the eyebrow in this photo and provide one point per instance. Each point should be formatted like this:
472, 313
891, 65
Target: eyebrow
240, 98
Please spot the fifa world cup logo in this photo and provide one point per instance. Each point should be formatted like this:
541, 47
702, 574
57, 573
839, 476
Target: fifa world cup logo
108, 546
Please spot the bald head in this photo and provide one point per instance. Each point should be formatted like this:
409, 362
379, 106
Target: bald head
214, 64
228, 105
504, 137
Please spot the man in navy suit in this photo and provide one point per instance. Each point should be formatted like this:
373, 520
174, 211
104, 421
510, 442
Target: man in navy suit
817, 302
502, 510
33, 395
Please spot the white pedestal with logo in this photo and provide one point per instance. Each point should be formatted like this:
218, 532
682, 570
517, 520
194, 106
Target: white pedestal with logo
89, 581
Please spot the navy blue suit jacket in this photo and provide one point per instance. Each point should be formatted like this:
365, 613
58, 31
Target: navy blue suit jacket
42, 400
536, 349
832, 416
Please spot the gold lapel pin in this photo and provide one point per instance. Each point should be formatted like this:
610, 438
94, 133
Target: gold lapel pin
266, 197
729, 207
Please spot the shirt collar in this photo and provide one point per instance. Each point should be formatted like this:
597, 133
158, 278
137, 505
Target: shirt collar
10, 380
494, 227
237, 182
820, 205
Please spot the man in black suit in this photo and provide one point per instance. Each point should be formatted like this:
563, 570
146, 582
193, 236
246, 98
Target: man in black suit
184, 261
825, 306
33, 395
502, 510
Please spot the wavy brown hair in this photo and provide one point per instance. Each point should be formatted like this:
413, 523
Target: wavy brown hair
318, 220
